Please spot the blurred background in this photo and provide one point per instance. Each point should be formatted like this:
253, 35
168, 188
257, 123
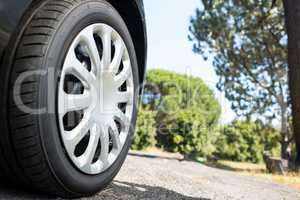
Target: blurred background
217, 87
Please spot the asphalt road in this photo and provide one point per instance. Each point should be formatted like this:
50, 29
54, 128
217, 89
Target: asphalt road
146, 177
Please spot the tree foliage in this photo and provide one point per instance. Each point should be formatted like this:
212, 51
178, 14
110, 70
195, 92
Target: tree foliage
172, 92
247, 141
180, 114
188, 133
187, 112
248, 42
145, 133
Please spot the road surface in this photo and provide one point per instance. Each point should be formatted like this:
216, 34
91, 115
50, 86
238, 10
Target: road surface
147, 177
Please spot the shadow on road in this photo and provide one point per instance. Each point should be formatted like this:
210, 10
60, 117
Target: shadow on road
12, 192
146, 155
218, 165
116, 191
131, 191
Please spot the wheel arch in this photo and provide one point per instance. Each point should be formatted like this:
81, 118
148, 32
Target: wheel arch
132, 13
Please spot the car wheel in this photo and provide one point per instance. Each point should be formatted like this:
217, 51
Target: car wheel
71, 98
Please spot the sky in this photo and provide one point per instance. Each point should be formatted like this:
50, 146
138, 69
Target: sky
169, 47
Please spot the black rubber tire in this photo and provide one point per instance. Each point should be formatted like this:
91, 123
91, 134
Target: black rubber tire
31, 151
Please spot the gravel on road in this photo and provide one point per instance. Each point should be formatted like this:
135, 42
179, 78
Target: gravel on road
150, 177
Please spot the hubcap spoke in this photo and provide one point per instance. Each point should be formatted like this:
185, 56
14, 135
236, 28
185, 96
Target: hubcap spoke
88, 38
106, 60
76, 102
76, 68
123, 76
120, 47
74, 136
125, 97
104, 138
123, 119
93, 139
87, 158
115, 135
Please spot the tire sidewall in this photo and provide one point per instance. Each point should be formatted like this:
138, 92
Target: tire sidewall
71, 178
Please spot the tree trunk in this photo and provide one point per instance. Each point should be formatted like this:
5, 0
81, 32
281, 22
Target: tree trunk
292, 13
285, 154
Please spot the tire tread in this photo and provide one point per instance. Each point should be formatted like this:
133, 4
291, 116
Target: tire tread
32, 167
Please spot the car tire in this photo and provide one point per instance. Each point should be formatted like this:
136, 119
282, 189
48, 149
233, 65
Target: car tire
34, 151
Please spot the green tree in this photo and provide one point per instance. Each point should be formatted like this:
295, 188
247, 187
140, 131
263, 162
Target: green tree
248, 42
145, 133
188, 133
187, 112
172, 92
247, 141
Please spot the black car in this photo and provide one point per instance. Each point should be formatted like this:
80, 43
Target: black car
71, 75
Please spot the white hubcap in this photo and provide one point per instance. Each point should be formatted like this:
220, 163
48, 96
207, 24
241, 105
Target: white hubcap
95, 98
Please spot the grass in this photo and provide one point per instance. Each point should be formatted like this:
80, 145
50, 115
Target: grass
238, 166
291, 178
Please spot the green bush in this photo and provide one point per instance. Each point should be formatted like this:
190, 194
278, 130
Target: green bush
246, 141
181, 114
187, 111
271, 140
189, 135
144, 136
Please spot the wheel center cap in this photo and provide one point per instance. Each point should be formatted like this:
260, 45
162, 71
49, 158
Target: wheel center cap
106, 95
